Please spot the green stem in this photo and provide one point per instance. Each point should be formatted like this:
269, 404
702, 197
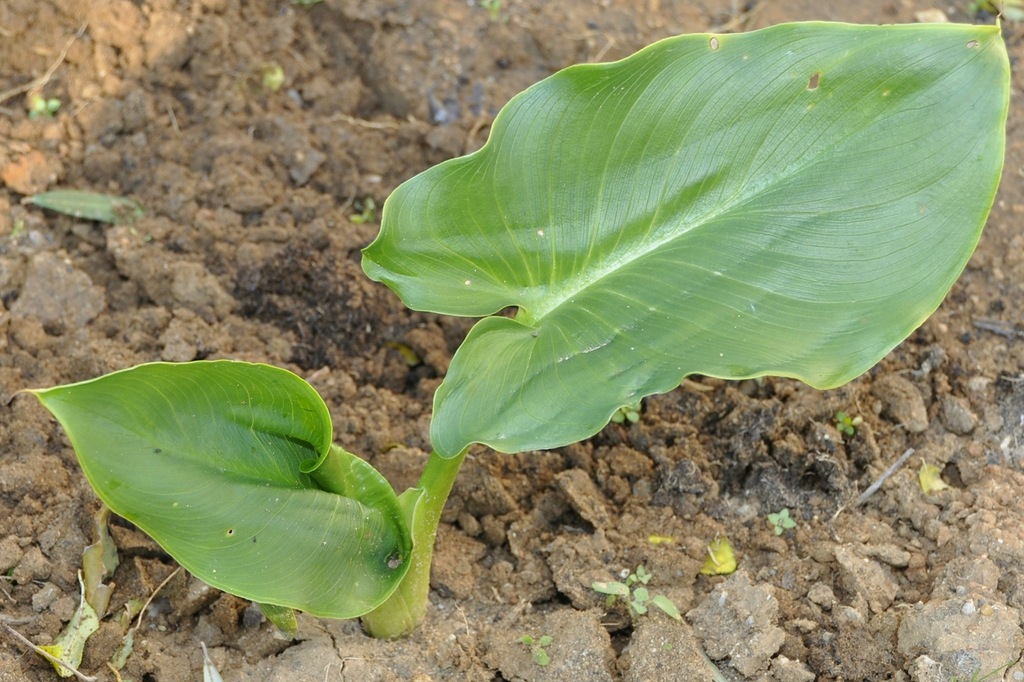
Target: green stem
404, 609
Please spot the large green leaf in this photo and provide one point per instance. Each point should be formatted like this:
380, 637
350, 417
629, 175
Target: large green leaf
209, 458
792, 201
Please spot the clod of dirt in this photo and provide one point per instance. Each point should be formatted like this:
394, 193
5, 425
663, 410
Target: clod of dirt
866, 579
968, 637
584, 497
786, 670
32, 173
661, 649
902, 402
580, 649
57, 294
956, 416
736, 624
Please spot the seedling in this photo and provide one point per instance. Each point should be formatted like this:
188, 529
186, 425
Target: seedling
272, 77
538, 648
626, 413
368, 214
41, 107
712, 204
493, 8
847, 424
634, 593
781, 522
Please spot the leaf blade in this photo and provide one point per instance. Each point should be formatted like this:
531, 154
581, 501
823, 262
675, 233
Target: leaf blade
208, 458
684, 208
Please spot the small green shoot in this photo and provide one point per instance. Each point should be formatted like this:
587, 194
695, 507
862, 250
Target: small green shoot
781, 521
627, 413
272, 77
493, 8
1011, 10
41, 107
635, 594
847, 424
368, 214
538, 648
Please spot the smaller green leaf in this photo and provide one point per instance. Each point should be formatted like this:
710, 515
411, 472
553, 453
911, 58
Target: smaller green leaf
70, 646
99, 561
612, 587
212, 459
545, 641
89, 205
667, 605
283, 619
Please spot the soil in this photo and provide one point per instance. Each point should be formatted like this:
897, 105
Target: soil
248, 249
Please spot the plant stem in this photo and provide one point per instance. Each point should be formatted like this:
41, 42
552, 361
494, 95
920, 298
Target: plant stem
404, 609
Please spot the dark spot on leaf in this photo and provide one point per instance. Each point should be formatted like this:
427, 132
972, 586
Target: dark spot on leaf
812, 83
714, 43
157, 450
971, 44
254, 539
231, 531
394, 561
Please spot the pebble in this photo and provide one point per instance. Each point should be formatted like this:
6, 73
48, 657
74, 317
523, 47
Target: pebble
902, 401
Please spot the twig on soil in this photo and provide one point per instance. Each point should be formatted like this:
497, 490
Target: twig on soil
38, 83
363, 123
1000, 328
142, 611
174, 119
873, 488
46, 654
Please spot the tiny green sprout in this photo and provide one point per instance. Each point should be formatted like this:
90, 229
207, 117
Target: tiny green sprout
781, 521
272, 77
847, 424
627, 413
538, 648
637, 597
41, 107
306, 3
493, 8
368, 214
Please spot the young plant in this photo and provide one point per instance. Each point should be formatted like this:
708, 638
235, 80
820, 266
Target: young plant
792, 201
538, 648
635, 593
847, 424
41, 107
781, 522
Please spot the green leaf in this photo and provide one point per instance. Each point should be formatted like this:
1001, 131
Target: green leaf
792, 201
667, 606
89, 205
210, 458
611, 587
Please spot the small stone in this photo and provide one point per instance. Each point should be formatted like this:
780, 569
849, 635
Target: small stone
902, 402
822, 595
968, 609
46, 595
931, 16
955, 415
33, 566
584, 496
786, 670
10, 553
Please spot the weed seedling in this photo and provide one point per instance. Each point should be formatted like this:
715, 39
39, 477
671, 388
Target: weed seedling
538, 648
41, 107
781, 522
493, 8
627, 414
626, 225
368, 213
846, 424
634, 592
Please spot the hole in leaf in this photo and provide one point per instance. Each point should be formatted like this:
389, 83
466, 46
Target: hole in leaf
394, 561
812, 83
971, 44
713, 43
231, 531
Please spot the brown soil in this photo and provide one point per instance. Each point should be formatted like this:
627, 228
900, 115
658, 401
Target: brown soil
248, 250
